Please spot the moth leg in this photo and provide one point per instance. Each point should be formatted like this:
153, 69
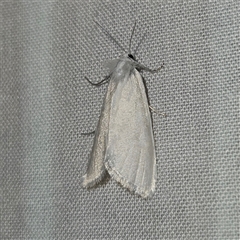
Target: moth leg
160, 113
148, 69
105, 80
89, 133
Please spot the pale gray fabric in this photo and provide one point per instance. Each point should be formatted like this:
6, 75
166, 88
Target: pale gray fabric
47, 48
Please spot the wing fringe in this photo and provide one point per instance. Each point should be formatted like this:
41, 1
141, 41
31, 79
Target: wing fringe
132, 187
87, 183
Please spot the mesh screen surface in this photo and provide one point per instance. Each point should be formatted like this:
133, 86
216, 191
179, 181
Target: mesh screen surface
46, 50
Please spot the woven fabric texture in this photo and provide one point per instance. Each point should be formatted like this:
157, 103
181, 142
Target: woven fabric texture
47, 47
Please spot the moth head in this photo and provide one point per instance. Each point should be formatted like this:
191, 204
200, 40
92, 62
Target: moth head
131, 56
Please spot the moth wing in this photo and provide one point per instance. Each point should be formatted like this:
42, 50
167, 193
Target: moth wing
96, 169
130, 154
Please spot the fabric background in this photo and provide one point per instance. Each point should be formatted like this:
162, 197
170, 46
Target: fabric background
47, 47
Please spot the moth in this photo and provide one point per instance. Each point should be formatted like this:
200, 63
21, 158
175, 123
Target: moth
124, 145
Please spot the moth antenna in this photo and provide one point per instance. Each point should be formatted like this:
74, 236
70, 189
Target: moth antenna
129, 50
134, 53
110, 36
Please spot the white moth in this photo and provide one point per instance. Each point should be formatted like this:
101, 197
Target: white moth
123, 144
